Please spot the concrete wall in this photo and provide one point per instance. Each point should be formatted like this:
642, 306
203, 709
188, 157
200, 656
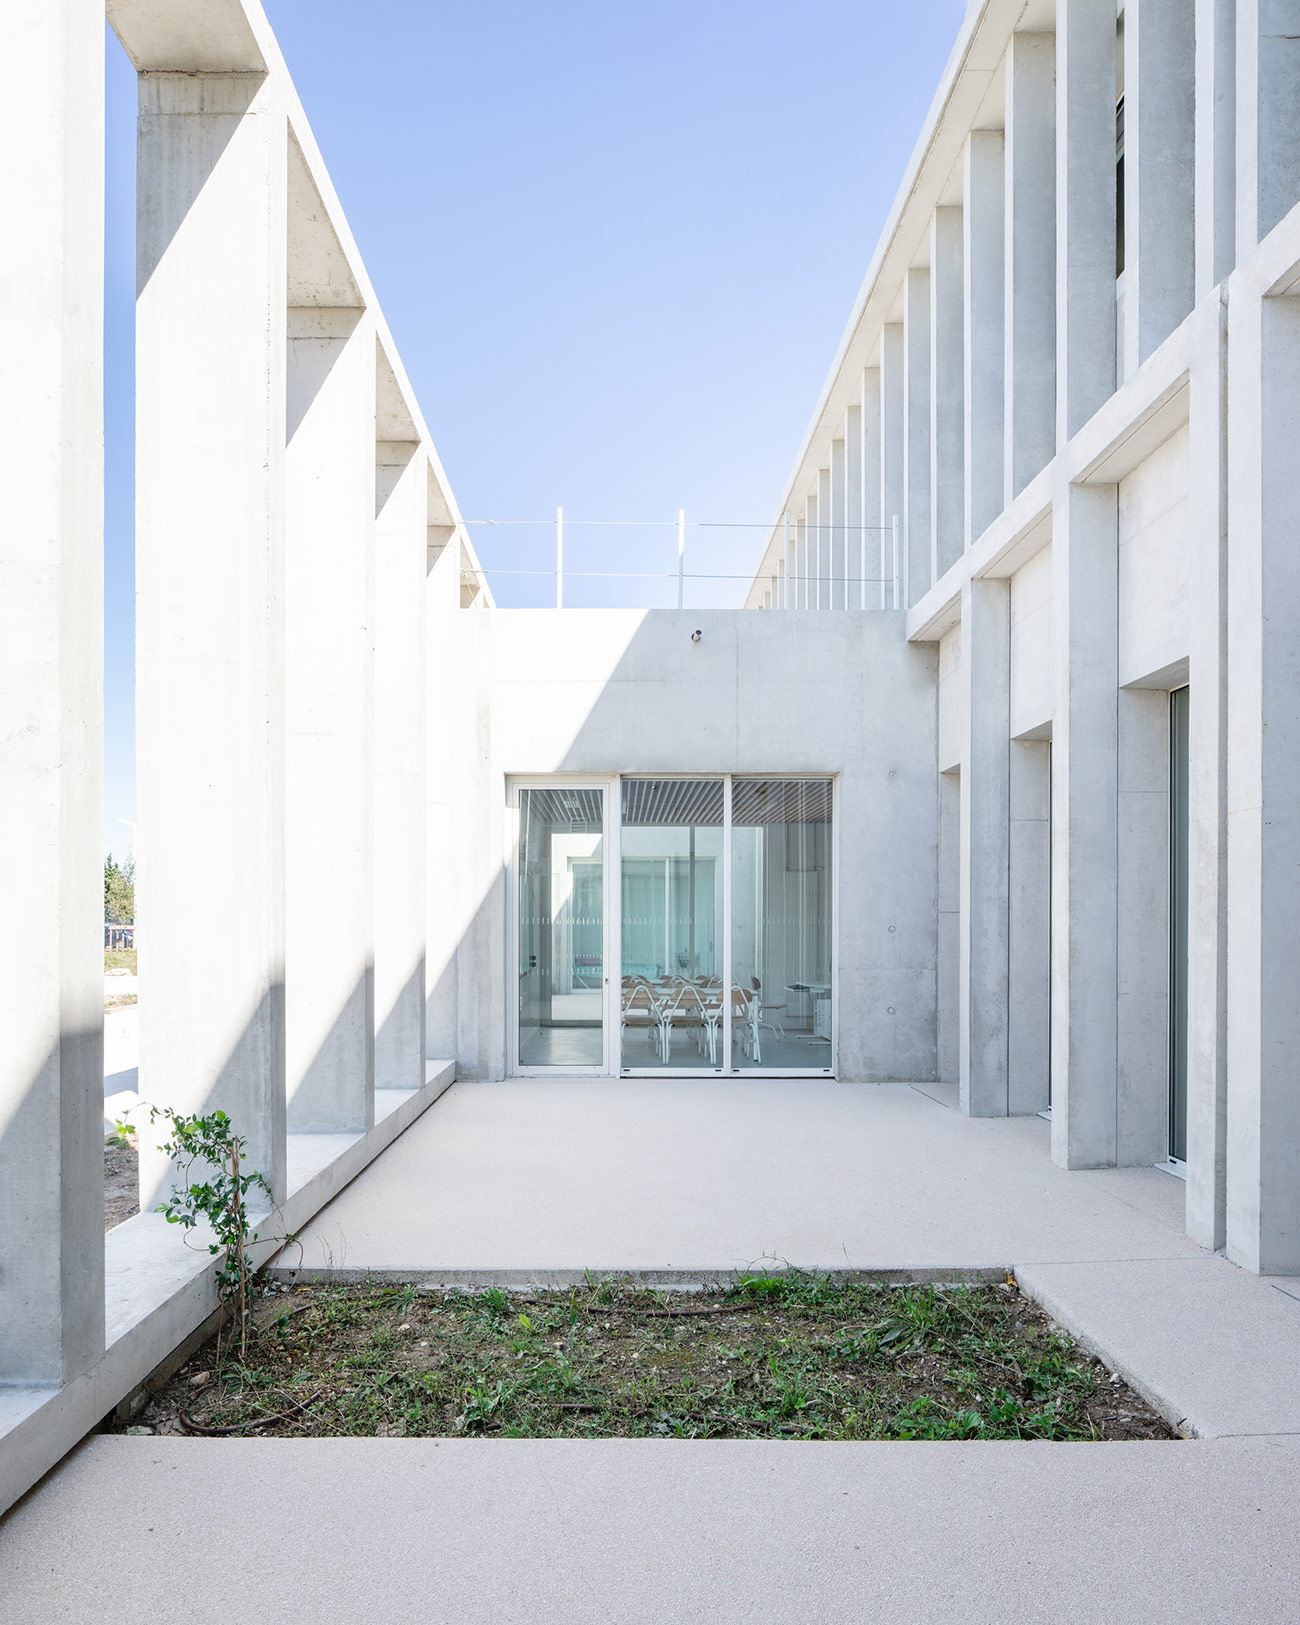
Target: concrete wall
624, 691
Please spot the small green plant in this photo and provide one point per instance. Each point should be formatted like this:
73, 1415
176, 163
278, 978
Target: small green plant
220, 1199
122, 1133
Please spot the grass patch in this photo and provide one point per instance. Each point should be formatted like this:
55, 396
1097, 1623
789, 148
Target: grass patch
790, 1357
120, 959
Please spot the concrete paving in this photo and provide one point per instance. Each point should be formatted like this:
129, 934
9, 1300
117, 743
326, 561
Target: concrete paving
513, 1532
690, 1174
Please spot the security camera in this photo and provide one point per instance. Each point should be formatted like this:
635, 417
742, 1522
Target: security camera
696, 636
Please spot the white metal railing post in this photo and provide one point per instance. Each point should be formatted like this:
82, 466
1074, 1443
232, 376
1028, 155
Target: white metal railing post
785, 583
681, 557
559, 558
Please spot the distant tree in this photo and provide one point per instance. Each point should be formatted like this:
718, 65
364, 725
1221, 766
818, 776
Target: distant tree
119, 891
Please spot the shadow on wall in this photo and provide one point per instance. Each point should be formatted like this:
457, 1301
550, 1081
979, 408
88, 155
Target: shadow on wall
602, 692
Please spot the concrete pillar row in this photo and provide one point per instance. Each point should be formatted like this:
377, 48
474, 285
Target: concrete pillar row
983, 260
948, 390
1263, 777
984, 885
401, 527
871, 550
211, 356
51, 669
1267, 158
1085, 774
1029, 332
1086, 45
892, 461
329, 721
1159, 173
917, 517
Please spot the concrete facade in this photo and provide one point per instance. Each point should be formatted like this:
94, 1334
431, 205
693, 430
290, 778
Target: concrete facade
1125, 184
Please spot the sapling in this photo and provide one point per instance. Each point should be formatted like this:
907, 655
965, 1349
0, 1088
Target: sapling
221, 1199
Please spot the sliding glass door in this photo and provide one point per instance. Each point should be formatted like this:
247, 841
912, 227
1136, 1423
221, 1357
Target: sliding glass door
781, 846
558, 929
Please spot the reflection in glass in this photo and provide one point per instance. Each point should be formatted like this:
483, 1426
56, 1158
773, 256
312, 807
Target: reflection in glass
671, 992
781, 924
561, 927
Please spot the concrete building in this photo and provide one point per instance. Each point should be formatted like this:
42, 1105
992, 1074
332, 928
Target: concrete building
991, 782
1059, 427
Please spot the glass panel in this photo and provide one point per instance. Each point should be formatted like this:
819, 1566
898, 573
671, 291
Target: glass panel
561, 927
671, 994
1178, 788
781, 924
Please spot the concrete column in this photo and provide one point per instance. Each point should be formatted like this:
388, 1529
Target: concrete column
985, 846
983, 259
1268, 116
1030, 259
1085, 770
948, 390
1216, 142
812, 550
210, 444
1263, 1190
1142, 943
853, 532
1159, 172
444, 880
1085, 211
837, 573
917, 518
1207, 923
892, 461
801, 560
825, 550
870, 536
949, 946
329, 719
51, 669
401, 526
1029, 927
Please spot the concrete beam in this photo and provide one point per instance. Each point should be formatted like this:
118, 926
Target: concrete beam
1207, 903
892, 463
210, 439
1268, 117
1085, 769
1159, 173
871, 550
1215, 202
1030, 259
917, 517
401, 525
1085, 211
51, 667
985, 705
983, 258
948, 390
329, 721
1263, 772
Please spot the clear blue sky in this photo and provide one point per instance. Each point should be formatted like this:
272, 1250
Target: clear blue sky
616, 245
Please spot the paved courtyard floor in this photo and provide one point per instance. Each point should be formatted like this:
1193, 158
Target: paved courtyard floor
529, 1180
